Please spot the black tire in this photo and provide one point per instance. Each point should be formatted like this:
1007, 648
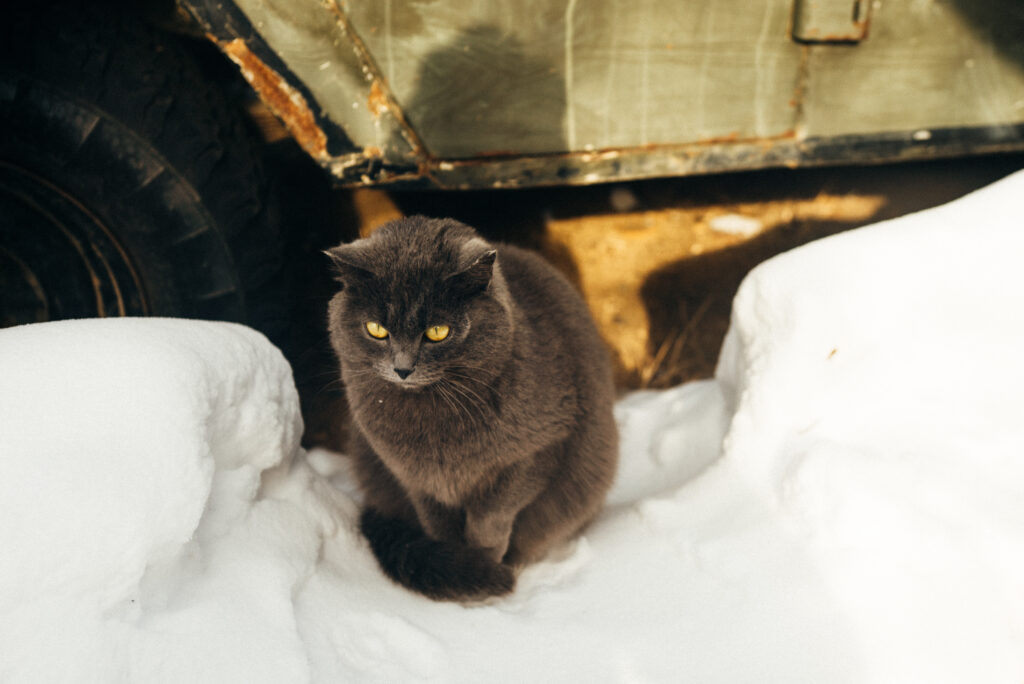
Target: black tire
128, 186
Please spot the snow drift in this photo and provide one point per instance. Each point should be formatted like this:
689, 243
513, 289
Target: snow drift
843, 502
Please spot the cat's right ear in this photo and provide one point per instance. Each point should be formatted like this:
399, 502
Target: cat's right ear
348, 264
476, 276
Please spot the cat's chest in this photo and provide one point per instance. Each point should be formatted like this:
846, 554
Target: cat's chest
425, 422
420, 444
447, 448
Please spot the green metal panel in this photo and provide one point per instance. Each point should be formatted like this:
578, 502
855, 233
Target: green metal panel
927, 64
539, 76
471, 93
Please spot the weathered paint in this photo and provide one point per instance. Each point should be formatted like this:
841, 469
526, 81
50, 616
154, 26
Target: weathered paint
377, 102
286, 102
791, 150
455, 94
831, 21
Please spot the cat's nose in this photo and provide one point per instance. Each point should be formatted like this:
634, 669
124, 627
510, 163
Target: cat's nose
403, 372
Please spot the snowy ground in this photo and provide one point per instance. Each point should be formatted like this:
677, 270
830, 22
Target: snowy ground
844, 502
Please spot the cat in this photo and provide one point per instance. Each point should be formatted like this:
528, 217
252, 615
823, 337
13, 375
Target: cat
481, 400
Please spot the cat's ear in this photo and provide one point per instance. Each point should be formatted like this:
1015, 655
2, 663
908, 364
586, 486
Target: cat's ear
478, 269
349, 263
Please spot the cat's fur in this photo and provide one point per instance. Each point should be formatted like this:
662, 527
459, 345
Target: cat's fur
501, 442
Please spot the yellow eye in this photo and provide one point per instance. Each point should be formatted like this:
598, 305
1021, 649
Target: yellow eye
376, 330
436, 333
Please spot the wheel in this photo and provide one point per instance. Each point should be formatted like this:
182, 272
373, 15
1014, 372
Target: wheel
128, 186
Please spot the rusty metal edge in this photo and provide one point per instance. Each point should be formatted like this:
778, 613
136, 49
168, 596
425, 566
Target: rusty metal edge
284, 101
229, 29
586, 168
381, 99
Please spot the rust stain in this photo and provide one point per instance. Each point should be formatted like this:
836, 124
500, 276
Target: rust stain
815, 37
689, 149
857, 32
282, 99
500, 153
382, 100
719, 140
766, 144
803, 76
377, 101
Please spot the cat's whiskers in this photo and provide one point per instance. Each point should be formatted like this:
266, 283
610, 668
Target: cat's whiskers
458, 408
359, 378
483, 384
466, 398
330, 372
468, 367
483, 393
360, 372
453, 402
336, 383
468, 392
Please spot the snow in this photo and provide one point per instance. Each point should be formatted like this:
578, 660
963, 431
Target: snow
843, 502
736, 224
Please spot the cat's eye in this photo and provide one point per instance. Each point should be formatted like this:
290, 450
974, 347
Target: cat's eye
436, 333
376, 330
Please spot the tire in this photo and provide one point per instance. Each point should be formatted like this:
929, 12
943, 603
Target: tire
128, 186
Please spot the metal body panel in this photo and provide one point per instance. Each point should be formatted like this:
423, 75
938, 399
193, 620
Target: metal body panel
926, 65
459, 93
542, 77
316, 45
831, 21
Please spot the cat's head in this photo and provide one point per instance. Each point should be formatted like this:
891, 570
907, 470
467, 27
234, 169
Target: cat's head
420, 299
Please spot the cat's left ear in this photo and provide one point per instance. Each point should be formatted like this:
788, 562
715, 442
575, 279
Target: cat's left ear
348, 264
477, 275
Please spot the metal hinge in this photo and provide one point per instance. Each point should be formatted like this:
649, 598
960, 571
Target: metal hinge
831, 21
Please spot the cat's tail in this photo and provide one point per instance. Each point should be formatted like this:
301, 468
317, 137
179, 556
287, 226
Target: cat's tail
439, 570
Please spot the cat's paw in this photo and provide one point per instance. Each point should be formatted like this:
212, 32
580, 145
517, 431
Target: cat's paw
439, 570
489, 534
495, 553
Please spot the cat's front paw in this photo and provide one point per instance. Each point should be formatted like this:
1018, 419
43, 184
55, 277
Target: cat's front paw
490, 539
495, 553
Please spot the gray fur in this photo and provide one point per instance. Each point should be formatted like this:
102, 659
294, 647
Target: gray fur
501, 442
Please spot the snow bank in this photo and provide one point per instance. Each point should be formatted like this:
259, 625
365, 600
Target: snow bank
877, 390
133, 544
844, 502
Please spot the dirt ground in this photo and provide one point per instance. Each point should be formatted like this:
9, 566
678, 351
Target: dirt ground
657, 261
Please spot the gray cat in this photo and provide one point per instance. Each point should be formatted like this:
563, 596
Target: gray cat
481, 399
